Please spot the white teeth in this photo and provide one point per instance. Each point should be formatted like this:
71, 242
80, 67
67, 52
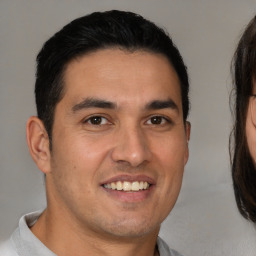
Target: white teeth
119, 185
127, 186
145, 185
113, 185
141, 185
135, 186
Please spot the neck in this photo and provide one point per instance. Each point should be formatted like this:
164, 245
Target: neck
65, 238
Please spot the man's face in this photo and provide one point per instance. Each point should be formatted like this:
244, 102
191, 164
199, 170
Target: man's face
119, 143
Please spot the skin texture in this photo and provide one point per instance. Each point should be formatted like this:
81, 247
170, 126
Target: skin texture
251, 126
128, 143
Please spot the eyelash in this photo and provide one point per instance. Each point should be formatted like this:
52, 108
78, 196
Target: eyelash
89, 120
163, 118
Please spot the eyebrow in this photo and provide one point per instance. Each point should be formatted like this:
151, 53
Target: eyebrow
162, 104
93, 103
99, 103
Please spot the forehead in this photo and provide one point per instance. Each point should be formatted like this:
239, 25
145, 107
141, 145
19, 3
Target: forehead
120, 76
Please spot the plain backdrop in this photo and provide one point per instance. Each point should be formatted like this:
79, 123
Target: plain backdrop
205, 220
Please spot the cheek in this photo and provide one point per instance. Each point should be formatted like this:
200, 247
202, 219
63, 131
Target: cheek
251, 137
82, 150
75, 163
171, 151
170, 157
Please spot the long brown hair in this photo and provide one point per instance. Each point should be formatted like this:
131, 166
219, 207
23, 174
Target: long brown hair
243, 168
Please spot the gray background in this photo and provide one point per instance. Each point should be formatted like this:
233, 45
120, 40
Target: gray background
205, 220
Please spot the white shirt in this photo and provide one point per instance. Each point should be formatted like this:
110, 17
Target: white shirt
24, 243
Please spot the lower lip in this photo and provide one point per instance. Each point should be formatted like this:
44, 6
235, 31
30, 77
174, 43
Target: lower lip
131, 197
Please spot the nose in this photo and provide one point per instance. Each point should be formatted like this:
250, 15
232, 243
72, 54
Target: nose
131, 147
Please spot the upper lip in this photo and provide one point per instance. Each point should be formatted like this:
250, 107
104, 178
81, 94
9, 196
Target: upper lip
129, 178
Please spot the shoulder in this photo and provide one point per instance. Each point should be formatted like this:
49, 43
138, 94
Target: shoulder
7, 248
164, 249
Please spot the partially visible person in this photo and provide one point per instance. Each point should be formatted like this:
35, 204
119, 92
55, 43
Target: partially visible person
243, 148
111, 137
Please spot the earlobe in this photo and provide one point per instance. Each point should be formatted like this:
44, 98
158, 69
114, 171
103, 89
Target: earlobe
38, 143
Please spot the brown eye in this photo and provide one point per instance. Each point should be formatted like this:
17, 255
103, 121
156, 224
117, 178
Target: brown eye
156, 119
97, 120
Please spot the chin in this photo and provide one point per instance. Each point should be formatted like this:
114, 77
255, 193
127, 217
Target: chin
133, 228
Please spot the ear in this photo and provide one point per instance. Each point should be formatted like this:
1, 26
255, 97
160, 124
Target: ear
38, 143
187, 130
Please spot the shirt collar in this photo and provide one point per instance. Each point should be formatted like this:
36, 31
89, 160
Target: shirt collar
28, 244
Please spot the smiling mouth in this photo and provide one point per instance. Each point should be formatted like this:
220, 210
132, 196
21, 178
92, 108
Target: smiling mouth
128, 186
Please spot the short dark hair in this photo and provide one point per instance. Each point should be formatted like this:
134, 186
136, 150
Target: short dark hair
243, 169
99, 30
